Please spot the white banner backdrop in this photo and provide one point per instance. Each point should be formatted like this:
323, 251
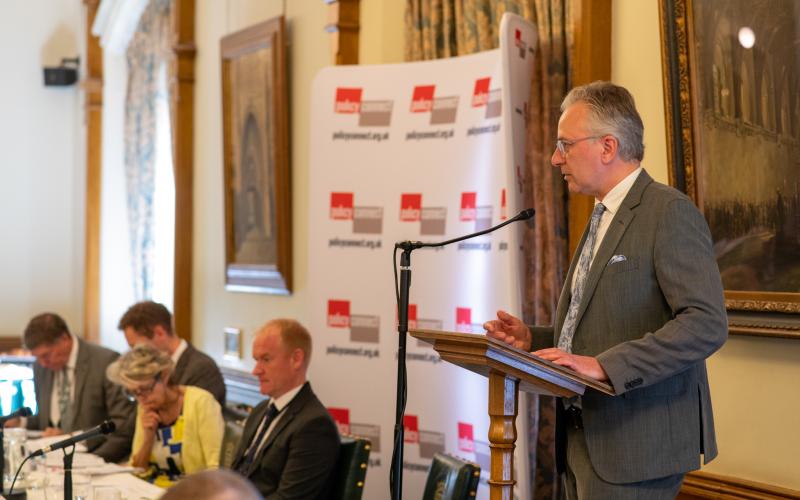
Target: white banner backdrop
417, 151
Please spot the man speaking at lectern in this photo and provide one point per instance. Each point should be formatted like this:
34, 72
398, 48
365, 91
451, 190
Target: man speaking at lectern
642, 308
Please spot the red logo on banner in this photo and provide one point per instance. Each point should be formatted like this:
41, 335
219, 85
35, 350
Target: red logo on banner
342, 206
342, 418
422, 99
412, 315
466, 441
348, 100
411, 426
463, 316
518, 39
468, 206
339, 313
480, 96
410, 207
503, 205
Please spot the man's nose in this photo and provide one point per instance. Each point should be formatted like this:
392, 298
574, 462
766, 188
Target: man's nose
556, 159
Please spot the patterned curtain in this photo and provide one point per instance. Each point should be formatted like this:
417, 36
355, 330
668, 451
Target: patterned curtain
148, 51
444, 28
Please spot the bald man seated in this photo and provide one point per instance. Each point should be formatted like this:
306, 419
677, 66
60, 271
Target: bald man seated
290, 443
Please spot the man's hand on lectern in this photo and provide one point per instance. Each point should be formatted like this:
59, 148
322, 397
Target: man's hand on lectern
509, 329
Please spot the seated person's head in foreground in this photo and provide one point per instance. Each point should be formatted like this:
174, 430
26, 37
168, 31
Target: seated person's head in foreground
213, 485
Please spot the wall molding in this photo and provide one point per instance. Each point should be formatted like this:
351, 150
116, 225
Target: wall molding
703, 485
182, 108
92, 86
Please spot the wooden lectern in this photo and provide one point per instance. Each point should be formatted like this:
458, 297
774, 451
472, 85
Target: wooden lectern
508, 369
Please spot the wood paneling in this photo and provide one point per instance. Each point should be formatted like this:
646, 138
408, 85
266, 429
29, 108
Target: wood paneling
92, 86
590, 60
704, 485
182, 105
343, 26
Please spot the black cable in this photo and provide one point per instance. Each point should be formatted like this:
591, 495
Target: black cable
11, 490
403, 381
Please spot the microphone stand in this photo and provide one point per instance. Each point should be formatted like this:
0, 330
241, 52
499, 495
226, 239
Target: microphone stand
407, 247
68, 455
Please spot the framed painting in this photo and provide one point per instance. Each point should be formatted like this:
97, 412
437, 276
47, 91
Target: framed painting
732, 97
233, 343
258, 232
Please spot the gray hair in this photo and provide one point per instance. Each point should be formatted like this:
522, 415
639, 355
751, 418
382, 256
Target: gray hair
613, 112
140, 364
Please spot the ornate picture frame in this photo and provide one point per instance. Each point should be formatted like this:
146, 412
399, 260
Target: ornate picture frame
733, 127
258, 231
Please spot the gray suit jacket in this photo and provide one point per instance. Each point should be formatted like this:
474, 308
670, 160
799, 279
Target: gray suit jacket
299, 456
651, 320
95, 399
198, 369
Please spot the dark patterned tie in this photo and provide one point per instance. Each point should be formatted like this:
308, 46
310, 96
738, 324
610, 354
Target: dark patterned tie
245, 465
579, 283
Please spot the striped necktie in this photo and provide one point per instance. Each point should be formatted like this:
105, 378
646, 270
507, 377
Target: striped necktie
245, 466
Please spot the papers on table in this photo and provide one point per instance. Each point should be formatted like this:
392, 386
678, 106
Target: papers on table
131, 487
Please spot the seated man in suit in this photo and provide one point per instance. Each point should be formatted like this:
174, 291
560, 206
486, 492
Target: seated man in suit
290, 443
150, 323
72, 391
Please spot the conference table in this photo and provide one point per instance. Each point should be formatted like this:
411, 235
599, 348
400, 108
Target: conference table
44, 478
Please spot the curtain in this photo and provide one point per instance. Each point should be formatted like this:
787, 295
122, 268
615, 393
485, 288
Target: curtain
148, 52
445, 28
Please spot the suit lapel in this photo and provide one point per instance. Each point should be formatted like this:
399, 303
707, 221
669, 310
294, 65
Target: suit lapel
287, 417
619, 224
45, 392
249, 433
81, 372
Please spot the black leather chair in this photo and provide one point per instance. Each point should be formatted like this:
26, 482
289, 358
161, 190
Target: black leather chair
451, 478
351, 468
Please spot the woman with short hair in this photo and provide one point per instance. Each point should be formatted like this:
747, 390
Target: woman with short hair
179, 428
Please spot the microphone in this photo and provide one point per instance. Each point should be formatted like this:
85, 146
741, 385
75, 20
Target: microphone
396, 471
526, 214
106, 427
22, 412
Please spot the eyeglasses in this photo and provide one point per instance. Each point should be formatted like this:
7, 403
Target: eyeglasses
143, 391
563, 145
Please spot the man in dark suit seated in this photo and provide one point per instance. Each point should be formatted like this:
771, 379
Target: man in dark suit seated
150, 323
72, 391
290, 443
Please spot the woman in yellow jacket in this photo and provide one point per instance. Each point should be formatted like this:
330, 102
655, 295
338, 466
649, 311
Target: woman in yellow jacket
179, 428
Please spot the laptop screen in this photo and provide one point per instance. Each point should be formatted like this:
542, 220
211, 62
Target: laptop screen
16, 384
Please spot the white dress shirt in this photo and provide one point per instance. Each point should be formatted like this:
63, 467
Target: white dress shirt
280, 403
612, 201
180, 350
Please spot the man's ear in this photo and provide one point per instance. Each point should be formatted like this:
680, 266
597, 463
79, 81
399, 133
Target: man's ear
298, 358
610, 148
160, 331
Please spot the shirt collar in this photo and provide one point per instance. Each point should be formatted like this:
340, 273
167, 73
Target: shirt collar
180, 350
614, 198
72, 362
281, 402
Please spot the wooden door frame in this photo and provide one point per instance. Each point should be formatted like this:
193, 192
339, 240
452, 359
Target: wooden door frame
182, 71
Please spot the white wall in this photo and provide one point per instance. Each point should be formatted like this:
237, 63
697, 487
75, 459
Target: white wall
42, 180
753, 380
309, 50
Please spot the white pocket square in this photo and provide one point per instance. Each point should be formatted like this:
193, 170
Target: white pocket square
617, 258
